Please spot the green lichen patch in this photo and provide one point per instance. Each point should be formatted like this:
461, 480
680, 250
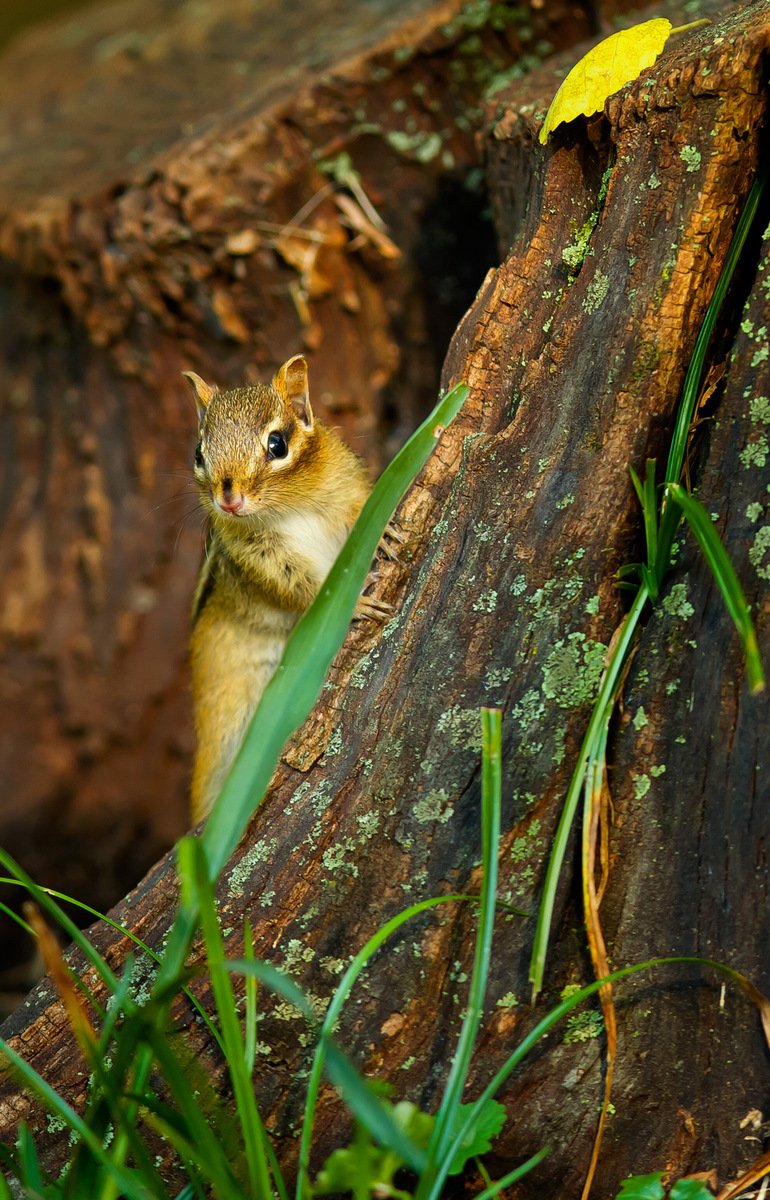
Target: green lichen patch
755, 453
334, 745
523, 847
335, 966
434, 806
640, 720
529, 709
572, 670
690, 157
262, 851
462, 725
596, 292
759, 553
676, 603
421, 145
296, 953
497, 676
486, 602
641, 785
369, 823
507, 1001
584, 1025
754, 512
759, 410
335, 858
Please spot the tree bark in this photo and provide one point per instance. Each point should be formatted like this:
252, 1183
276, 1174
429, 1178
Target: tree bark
150, 156
575, 352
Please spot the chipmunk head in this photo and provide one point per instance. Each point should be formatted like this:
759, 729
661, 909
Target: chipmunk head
255, 443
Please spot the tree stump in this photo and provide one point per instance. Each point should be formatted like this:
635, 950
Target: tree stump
575, 352
152, 160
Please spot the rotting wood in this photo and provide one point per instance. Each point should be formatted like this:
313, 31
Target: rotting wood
516, 528
151, 157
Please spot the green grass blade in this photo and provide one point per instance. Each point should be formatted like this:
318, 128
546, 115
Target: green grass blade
637, 486
211, 1157
650, 510
549, 1020
490, 838
52, 1101
32, 1176
47, 904
5, 1190
512, 1176
121, 929
369, 1110
587, 750
695, 370
727, 580
344, 989
187, 1151
250, 1015
194, 874
367, 1107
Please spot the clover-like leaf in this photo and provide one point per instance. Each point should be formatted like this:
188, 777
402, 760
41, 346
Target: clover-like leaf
362, 1166
690, 1189
642, 1187
478, 1139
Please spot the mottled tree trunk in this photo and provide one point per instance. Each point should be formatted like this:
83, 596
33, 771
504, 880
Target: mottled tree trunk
152, 155
575, 352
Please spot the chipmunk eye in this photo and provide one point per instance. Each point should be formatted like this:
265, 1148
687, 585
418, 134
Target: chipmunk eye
276, 446
199, 454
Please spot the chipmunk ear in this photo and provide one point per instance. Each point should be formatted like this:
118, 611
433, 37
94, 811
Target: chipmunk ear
202, 391
291, 384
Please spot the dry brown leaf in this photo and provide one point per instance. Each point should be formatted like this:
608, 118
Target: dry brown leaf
591, 819
761, 1167
228, 316
358, 219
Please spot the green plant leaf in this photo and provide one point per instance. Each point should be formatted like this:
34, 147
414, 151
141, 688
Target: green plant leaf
193, 872
478, 1137
517, 1173
607, 689
690, 1189
689, 398
604, 70
642, 1187
440, 1156
344, 989
363, 1163
125, 1180
373, 1113
724, 573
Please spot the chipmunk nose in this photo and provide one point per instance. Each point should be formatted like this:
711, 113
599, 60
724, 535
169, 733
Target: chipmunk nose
230, 501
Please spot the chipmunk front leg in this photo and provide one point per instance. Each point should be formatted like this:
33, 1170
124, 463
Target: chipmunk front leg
283, 578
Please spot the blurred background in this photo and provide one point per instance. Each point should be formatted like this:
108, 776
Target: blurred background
211, 185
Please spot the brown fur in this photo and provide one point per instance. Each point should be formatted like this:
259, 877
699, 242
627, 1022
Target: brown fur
265, 563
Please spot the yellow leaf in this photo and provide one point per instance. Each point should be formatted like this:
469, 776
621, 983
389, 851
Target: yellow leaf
604, 70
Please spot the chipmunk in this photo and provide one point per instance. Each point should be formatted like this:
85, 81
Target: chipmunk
282, 493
